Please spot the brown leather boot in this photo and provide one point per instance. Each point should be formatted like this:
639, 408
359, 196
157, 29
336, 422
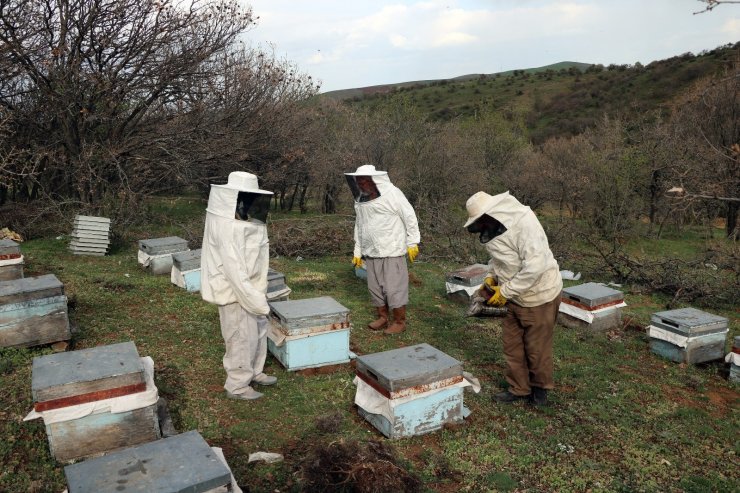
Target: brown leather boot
399, 321
382, 320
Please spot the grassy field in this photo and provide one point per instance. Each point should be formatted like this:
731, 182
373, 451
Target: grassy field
621, 418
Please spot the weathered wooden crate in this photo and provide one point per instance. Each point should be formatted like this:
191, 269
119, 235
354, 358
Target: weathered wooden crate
84, 383
275, 281
601, 304
705, 335
421, 383
33, 311
158, 253
87, 375
186, 270
188, 260
315, 330
178, 464
11, 260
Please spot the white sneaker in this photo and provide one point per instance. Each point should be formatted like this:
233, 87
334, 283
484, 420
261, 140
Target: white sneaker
263, 379
248, 395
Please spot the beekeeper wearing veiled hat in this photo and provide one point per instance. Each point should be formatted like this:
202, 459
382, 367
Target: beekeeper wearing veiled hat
526, 278
386, 231
234, 264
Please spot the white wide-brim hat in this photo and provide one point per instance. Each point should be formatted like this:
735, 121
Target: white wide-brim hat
480, 203
243, 182
367, 170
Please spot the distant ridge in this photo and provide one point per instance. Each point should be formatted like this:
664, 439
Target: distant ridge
342, 94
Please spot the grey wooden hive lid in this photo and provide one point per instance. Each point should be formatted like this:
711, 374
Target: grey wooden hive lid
161, 246
9, 247
30, 288
92, 219
592, 294
187, 260
275, 280
410, 366
310, 312
182, 463
689, 321
61, 375
472, 275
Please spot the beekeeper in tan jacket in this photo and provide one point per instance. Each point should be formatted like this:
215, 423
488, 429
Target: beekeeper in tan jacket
525, 277
234, 264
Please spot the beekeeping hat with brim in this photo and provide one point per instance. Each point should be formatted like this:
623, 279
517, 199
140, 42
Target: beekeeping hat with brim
242, 181
223, 199
481, 203
367, 170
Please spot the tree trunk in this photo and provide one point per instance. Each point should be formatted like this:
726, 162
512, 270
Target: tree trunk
731, 222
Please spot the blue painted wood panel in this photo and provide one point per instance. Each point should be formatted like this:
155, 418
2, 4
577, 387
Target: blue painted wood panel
192, 280
421, 415
324, 348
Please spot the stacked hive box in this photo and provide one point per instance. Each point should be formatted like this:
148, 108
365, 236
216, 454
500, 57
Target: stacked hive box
463, 283
591, 305
155, 255
277, 290
734, 359
33, 311
409, 391
11, 260
688, 335
182, 463
95, 400
90, 235
186, 270
309, 333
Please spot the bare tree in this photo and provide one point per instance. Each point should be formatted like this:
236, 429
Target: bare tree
712, 4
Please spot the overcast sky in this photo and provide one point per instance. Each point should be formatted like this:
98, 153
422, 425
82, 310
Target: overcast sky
357, 43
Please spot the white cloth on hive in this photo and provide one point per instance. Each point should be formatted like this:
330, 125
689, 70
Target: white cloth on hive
271, 295
145, 259
374, 402
586, 315
733, 358
11, 261
223, 489
113, 405
454, 288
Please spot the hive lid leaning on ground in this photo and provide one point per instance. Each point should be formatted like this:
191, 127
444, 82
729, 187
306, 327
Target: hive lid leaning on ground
422, 366
30, 288
162, 246
689, 322
472, 275
591, 295
296, 316
189, 260
87, 375
182, 463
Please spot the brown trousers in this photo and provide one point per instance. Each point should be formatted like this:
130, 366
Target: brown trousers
527, 337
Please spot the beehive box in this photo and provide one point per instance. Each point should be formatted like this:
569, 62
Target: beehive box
591, 305
462, 283
11, 260
423, 380
277, 289
186, 270
90, 235
77, 382
178, 464
700, 336
314, 332
156, 254
33, 311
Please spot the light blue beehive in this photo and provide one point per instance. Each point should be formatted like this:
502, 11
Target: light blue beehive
187, 265
421, 380
309, 333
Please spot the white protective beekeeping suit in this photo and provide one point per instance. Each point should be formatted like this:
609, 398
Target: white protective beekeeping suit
386, 225
234, 265
522, 261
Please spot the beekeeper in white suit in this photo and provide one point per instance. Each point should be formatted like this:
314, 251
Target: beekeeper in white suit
386, 231
234, 264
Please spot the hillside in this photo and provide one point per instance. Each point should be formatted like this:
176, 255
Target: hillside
560, 99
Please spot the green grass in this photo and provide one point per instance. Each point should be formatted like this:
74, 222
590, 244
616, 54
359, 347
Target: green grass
622, 419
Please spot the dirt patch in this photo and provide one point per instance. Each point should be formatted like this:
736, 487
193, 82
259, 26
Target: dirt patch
414, 279
723, 401
322, 370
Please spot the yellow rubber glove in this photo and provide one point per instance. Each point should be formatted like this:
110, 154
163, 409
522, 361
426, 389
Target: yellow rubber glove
357, 262
489, 282
413, 252
497, 299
